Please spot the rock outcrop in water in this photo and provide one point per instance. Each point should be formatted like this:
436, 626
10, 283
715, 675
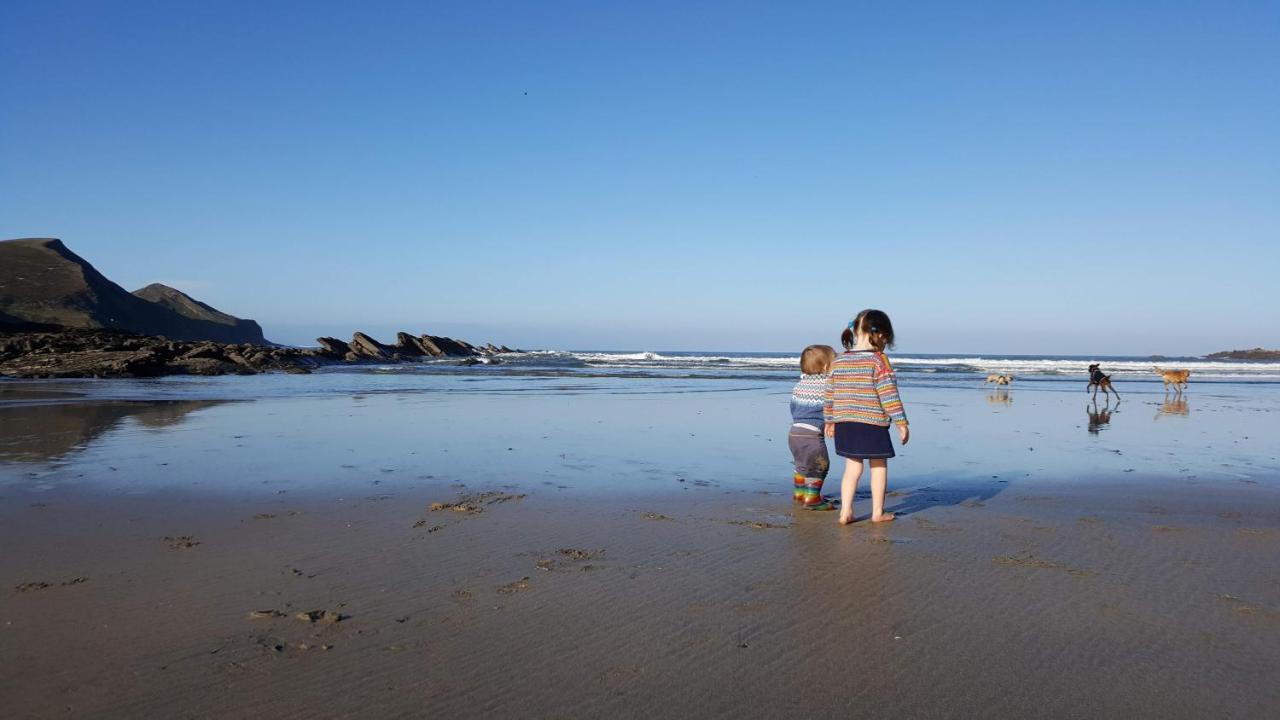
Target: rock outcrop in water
111, 353
1254, 354
44, 284
69, 352
408, 348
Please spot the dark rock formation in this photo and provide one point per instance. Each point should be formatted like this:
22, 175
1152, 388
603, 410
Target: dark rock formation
367, 348
110, 353
411, 346
42, 283
333, 347
1254, 354
430, 347
238, 330
452, 348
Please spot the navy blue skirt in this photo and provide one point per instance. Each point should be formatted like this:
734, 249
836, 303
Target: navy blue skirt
863, 440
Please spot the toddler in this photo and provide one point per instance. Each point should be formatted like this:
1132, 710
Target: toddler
806, 439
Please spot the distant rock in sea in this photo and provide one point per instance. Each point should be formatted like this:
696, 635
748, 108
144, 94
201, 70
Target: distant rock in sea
1254, 354
408, 348
44, 284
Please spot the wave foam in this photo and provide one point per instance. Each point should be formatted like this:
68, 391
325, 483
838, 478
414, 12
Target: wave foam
975, 364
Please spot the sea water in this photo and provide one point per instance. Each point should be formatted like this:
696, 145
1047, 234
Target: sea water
624, 422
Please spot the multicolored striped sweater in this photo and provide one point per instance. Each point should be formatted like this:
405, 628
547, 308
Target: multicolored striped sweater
807, 400
863, 389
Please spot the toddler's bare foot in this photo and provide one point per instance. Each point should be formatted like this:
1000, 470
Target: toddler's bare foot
846, 519
883, 517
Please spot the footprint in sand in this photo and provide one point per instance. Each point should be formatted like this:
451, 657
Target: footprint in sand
579, 554
475, 503
759, 525
619, 678
43, 585
1243, 607
515, 586
265, 614
1031, 561
571, 554
181, 542
327, 617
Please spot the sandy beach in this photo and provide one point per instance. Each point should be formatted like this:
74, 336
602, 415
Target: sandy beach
476, 360
641, 560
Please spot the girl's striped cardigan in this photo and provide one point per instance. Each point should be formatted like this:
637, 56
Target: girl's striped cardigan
863, 389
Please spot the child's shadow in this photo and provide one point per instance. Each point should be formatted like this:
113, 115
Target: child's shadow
946, 492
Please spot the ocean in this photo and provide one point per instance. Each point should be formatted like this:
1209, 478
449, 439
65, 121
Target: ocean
911, 368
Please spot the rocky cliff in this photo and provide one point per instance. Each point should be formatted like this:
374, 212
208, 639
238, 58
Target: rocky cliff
238, 329
43, 283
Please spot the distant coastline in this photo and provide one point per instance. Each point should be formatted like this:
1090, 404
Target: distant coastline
1254, 354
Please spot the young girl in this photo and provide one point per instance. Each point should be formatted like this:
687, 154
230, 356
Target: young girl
861, 401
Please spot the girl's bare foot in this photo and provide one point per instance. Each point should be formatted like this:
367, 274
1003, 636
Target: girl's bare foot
846, 519
883, 517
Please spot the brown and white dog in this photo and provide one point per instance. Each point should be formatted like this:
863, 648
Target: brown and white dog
1176, 378
1099, 381
998, 379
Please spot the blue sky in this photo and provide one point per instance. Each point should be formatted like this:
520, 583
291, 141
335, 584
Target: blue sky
1086, 178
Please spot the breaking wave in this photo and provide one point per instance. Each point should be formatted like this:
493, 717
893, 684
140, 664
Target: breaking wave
1046, 367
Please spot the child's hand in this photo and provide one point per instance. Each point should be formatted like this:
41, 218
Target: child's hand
904, 434
830, 430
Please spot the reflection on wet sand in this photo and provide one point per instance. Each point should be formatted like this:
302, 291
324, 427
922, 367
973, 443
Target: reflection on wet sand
36, 432
1099, 417
1000, 396
1174, 405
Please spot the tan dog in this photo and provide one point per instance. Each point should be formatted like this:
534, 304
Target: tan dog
1176, 378
999, 379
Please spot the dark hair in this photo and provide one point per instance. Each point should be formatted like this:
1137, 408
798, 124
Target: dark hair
875, 324
816, 359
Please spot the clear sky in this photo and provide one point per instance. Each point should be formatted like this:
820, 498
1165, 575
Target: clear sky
1075, 177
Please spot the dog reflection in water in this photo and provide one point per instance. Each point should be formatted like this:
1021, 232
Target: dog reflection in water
1177, 405
1000, 396
1099, 418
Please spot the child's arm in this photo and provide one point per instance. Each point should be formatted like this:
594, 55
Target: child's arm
887, 390
828, 401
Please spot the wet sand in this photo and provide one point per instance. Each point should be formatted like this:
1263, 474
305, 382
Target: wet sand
1023, 588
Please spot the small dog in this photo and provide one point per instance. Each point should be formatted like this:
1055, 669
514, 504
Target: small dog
999, 379
1099, 381
1176, 378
